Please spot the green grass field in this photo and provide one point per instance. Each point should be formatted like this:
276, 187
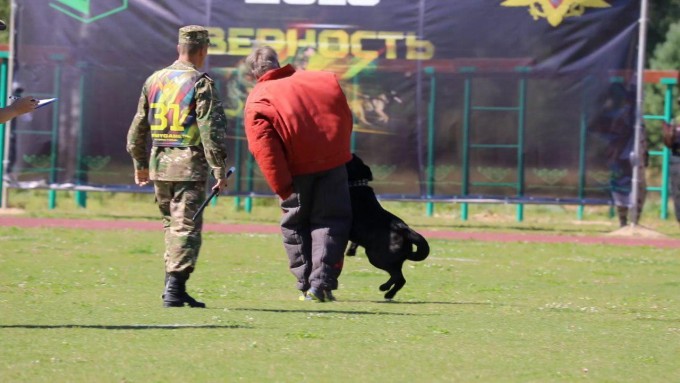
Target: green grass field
84, 306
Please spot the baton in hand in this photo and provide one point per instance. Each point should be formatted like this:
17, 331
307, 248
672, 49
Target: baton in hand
213, 194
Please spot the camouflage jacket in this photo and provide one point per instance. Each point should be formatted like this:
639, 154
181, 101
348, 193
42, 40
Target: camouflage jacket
190, 163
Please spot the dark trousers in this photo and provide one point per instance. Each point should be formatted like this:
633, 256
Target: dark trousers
675, 185
315, 226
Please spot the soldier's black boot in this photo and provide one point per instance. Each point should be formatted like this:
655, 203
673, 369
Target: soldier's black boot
175, 283
188, 299
175, 294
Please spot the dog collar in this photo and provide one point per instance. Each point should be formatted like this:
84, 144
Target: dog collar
363, 182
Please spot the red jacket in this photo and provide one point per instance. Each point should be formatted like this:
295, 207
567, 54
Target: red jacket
297, 123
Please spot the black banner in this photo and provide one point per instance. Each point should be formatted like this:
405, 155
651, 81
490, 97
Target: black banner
451, 98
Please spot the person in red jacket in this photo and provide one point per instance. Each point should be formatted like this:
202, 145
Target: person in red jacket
298, 125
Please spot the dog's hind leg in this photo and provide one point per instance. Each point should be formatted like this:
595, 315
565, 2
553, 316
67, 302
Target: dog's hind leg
387, 285
352, 249
394, 284
393, 291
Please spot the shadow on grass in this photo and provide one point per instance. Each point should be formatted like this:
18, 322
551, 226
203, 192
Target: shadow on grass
434, 303
362, 312
123, 327
521, 229
312, 311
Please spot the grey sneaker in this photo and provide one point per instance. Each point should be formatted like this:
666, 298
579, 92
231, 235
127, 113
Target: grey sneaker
319, 295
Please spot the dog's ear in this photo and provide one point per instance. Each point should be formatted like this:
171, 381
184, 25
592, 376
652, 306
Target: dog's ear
366, 172
370, 173
358, 170
351, 167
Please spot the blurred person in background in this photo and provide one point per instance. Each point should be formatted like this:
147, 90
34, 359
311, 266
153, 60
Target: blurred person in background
671, 139
617, 125
19, 106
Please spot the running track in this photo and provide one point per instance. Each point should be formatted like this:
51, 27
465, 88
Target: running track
27, 222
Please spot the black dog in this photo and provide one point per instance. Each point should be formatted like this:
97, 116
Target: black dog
387, 239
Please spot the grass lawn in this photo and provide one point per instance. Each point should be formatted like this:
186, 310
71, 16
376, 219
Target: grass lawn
84, 306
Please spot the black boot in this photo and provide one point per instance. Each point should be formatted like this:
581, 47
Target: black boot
623, 215
175, 283
188, 299
175, 294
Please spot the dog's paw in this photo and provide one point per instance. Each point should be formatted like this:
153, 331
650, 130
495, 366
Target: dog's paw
352, 249
390, 295
386, 286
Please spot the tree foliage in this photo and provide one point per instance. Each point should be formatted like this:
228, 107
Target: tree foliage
662, 14
4, 16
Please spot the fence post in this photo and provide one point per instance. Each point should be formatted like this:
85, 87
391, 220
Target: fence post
54, 149
467, 89
430, 140
3, 102
81, 171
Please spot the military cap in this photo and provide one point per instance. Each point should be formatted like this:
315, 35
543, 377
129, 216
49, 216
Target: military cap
193, 34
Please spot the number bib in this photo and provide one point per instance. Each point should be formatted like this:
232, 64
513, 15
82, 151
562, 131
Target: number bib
172, 108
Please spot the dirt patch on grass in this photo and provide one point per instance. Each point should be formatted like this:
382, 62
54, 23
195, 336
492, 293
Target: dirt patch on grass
12, 211
636, 232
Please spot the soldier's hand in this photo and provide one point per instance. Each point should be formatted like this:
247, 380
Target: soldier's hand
220, 184
142, 177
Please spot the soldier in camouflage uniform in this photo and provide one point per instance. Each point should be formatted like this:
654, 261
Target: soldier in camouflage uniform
180, 111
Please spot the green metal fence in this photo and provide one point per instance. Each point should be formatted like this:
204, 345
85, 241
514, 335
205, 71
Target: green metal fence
243, 183
669, 83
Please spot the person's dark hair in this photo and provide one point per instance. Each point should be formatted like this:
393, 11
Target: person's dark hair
191, 49
261, 60
617, 93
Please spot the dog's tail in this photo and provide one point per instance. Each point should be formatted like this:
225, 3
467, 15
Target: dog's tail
422, 247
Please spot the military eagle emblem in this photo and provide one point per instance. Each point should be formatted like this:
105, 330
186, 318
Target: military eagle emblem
555, 11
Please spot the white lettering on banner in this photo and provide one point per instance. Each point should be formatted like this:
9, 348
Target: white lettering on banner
358, 3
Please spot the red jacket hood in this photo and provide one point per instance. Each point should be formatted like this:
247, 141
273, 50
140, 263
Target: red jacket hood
278, 73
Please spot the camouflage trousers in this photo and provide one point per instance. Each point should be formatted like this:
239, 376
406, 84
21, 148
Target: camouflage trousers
178, 201
675, 185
